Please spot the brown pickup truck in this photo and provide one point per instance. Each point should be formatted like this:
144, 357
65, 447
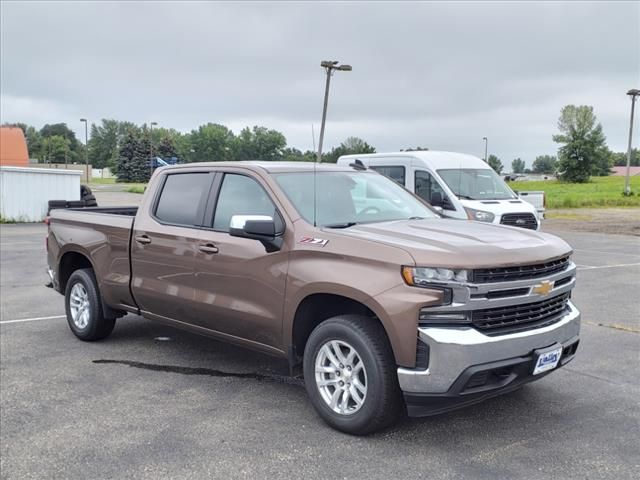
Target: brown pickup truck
387, 306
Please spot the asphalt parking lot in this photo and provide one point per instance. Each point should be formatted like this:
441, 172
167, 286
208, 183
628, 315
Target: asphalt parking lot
154, 402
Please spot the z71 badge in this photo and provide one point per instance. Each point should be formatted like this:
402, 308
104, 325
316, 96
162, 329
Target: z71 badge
321, 242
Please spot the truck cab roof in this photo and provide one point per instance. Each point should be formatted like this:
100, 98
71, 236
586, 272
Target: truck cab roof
272, 167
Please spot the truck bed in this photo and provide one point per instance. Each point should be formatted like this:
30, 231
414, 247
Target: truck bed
102, 234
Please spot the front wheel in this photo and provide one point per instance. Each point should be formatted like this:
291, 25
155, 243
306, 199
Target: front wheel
84, 307
350, 374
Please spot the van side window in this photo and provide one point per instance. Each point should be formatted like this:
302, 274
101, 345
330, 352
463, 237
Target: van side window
395, 173
241, 195
181, 199
426, 186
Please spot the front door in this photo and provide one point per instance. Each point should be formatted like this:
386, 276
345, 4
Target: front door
164, 246
239, 287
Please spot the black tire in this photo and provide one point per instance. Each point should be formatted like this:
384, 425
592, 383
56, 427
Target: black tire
89, 198
97, 326
84, 191
383, 400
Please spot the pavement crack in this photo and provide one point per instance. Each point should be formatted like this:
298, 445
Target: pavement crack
209, 372
615, 326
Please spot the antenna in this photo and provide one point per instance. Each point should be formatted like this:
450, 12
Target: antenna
315, 187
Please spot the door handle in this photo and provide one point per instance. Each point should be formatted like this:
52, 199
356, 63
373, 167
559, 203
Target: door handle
208, 248
143, 239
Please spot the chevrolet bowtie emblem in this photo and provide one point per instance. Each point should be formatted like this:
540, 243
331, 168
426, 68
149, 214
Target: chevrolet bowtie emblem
543, 288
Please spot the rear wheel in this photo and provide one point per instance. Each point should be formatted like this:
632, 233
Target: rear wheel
350, 375
84, 307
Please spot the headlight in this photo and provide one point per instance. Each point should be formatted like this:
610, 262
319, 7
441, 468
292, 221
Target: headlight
426, 276
479, 215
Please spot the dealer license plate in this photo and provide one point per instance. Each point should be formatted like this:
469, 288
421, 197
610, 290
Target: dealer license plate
547, 360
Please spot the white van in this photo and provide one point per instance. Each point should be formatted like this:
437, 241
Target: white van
462, 186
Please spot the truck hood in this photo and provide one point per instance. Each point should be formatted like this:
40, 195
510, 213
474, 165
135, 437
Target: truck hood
462, 244
500, 207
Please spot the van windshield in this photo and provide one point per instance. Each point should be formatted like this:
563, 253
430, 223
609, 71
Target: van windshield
476, 184
347, 198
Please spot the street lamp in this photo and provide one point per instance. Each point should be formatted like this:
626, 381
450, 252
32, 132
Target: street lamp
86, 146
151, 125
486, 142
633, 93
329, 66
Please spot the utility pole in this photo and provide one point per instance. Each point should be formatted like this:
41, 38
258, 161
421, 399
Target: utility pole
486, 143
86, 147
329, 66
151, 147
633, 93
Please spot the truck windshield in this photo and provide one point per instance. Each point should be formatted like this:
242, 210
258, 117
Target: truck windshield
476, 184
343, 199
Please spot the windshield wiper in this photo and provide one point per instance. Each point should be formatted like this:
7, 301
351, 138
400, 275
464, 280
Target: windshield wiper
466, 197
341, 225
417, 218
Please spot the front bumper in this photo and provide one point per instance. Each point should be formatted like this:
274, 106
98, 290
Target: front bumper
461, 358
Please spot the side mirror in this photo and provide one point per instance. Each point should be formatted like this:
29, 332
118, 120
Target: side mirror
436, 199
256, 227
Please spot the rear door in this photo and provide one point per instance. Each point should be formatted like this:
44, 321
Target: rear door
164, 245
239, 286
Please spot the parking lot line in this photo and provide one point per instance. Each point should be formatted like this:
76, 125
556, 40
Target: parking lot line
608, 253
20, 320
587, 267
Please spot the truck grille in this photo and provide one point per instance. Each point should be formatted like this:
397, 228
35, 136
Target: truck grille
523, 220
516, 318
523, 272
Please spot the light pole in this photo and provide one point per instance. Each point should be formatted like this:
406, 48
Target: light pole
329, 66
486, 143
151, 125
633, 93
86, 146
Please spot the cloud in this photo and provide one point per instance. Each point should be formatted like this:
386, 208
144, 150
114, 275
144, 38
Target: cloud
441, 75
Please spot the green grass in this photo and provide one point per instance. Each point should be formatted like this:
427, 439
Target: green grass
600, 192
136, 188
103, 181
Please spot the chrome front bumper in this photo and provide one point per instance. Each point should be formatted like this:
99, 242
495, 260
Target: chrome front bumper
452, 350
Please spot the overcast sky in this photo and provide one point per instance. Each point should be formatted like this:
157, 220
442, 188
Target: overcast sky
430, 74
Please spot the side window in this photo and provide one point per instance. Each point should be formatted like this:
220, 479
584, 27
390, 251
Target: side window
426, 185
181, 199
395, 173
240, 195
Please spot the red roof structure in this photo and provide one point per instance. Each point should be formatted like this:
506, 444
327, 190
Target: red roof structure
13, 147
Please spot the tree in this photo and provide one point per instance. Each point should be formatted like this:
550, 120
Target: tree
583, 144
291, 154
259, 143
105, 142
134, 157
544, 164
517, 165
619, 159
166, 148
495, 163
211, 143
350, 146
55, 149
61, 130
417, 149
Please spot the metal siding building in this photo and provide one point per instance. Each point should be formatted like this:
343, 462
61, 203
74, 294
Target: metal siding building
25, 192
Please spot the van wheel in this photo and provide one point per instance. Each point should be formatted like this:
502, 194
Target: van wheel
84, 307
350, 374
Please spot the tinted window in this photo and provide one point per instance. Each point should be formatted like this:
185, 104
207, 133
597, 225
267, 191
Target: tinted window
241, 195
181, 197
394, 173
426, 185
